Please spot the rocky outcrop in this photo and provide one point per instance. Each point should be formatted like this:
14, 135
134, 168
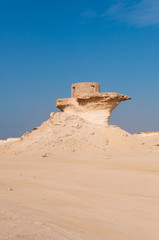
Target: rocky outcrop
151, 138
9, 140
95, 107
69, 134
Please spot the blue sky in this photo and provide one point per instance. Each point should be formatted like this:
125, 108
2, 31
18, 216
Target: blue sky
45, 46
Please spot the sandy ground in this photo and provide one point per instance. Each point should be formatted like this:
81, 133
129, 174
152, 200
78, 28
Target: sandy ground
54, 198
81, 183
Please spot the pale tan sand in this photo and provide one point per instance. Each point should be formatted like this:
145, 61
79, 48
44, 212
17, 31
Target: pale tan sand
55, 198
75, 181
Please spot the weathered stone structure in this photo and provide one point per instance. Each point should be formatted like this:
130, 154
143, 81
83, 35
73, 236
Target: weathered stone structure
88, 103
85, 88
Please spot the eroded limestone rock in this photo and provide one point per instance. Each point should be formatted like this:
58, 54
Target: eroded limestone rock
89, 104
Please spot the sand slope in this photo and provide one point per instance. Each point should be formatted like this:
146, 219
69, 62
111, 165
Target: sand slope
66, 132
72, 180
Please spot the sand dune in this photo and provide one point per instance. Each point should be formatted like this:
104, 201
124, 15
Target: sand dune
70, 133
69, 179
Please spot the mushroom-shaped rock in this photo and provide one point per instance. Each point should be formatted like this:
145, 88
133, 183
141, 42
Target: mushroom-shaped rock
91, 105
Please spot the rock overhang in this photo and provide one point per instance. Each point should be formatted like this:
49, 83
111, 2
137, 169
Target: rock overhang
94, 106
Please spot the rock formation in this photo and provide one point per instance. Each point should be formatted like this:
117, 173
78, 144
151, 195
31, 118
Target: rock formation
80, 129
89, 104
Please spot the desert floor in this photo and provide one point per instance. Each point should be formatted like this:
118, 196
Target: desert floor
66, 198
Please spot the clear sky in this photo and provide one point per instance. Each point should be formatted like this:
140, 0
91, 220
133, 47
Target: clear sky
45, 46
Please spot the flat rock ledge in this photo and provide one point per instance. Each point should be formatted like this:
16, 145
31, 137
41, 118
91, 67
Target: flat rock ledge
95, 108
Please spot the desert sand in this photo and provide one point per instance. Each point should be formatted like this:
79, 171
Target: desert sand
77, 178
84, 182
